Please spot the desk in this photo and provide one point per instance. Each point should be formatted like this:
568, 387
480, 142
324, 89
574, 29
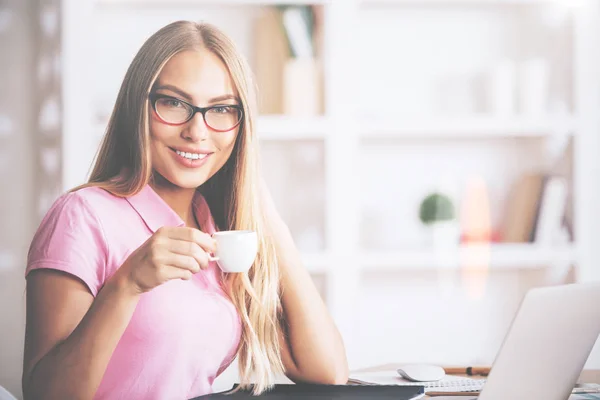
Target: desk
587, 376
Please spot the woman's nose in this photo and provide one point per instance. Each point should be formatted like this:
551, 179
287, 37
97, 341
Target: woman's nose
197, 130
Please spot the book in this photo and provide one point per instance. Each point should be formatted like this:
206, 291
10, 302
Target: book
522, 208
449, 384
550, 216
271, 52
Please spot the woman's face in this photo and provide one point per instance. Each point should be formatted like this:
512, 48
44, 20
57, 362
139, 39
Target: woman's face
188, 154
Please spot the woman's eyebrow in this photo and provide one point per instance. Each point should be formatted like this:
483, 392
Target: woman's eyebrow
189, 98
176, 90
223, 98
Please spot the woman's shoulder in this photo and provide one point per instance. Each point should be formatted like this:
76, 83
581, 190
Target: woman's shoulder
88, 200
88, 206
94, 196
72, 208
71, 238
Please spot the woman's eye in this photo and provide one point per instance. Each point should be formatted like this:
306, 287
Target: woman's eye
173, 103
169, 102
222, 110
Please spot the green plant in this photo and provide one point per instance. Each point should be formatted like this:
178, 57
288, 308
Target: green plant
436, 207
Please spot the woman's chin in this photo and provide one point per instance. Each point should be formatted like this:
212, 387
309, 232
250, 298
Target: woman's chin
184, 180
188, 183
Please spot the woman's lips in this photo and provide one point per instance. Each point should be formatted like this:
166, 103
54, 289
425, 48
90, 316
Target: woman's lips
190, 159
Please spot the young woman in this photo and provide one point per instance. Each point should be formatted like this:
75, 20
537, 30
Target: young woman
122, 300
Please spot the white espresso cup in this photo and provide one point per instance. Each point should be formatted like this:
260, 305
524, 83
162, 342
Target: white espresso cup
236, 250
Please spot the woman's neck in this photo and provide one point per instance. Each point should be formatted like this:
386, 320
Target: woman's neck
179, 199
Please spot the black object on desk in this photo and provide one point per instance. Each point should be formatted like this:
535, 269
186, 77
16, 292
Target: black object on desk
325, 392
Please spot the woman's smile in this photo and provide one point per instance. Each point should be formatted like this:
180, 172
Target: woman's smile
190, 158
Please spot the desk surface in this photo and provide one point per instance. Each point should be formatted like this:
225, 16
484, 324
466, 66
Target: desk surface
587, 376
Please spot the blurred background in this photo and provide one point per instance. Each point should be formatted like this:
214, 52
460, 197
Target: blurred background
434, 159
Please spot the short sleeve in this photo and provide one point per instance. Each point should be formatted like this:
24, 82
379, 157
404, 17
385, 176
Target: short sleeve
70, 239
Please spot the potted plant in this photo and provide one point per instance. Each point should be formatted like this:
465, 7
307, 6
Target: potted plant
438, 214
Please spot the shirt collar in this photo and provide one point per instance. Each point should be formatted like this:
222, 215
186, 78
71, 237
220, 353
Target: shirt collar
155, 212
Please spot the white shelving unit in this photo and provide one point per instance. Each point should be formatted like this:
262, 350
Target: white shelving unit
473, 128
343, 130
211, 2
478, 256
459, 2
293, 128
273, 128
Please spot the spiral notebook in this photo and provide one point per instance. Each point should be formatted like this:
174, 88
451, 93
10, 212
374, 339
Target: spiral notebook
452, 384
449, 384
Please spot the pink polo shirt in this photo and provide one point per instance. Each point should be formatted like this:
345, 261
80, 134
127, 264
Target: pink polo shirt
183, 334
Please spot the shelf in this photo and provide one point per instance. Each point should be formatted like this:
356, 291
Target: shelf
465, 2
271, 128
292, 128
211, 2
322, 2
494, 256
473, 127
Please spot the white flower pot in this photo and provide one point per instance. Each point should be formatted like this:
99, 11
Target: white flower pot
445, 234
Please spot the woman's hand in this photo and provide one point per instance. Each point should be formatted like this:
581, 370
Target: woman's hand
170, 253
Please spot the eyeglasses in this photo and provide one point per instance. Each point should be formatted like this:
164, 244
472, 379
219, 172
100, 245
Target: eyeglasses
174, 111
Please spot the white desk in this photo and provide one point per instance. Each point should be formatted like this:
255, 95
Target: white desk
587, 376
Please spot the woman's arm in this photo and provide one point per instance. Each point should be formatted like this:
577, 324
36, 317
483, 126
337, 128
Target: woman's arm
70, 336
312, 347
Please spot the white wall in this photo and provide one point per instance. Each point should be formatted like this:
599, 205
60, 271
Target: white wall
17, 207
113, 24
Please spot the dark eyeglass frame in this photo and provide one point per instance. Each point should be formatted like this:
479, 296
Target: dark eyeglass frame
154, 97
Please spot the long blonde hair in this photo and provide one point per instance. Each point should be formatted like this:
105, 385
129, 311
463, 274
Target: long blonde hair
232, 193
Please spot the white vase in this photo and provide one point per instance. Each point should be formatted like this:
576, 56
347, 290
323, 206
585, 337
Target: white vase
445, 234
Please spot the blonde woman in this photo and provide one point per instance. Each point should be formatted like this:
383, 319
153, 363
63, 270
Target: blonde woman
122, 300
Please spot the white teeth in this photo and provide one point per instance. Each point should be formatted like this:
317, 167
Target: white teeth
191, 156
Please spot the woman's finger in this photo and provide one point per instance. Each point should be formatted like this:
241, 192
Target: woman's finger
193, 235
178, 273
182, 261
190, 249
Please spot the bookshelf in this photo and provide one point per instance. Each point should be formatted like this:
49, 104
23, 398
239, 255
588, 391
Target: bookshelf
144, 3
370, 94
272, 128
292, 128
283, 128
499, 257
479, 256
470, 128
502, 3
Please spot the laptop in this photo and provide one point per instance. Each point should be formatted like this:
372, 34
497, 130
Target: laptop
548, 344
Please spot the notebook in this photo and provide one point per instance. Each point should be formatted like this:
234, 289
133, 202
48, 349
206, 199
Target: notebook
449, 384
328, 392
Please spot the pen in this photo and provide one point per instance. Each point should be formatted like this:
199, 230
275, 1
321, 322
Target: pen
471, 371
435, 394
